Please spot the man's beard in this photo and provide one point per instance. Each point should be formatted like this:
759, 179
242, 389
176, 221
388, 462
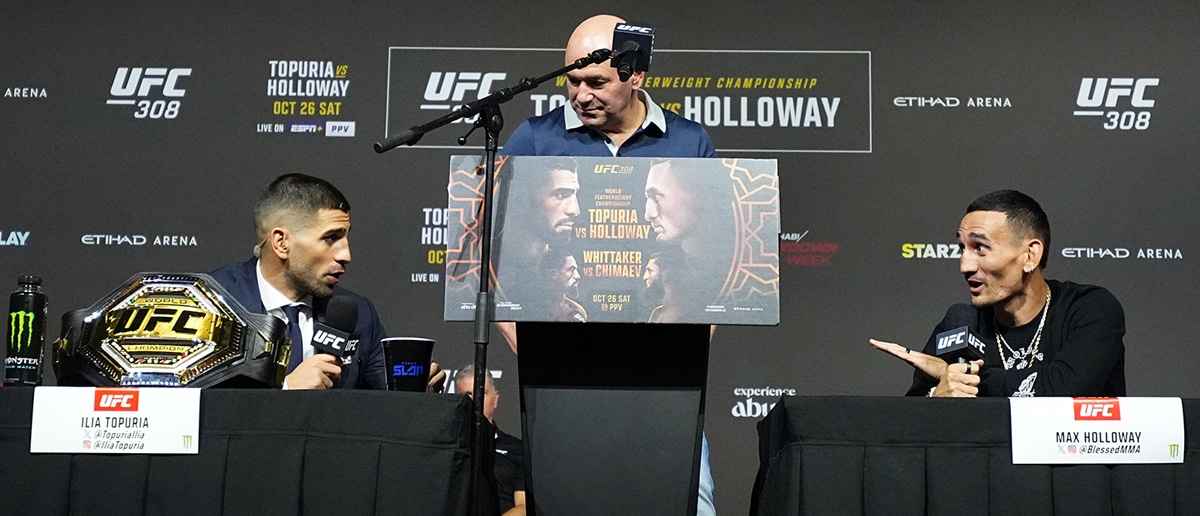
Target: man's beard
990, 302
306, 284
654, 292
559, 237
981, 303
572, 291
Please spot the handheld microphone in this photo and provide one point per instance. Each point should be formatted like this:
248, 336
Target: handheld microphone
632, 47
961, 344
334, 334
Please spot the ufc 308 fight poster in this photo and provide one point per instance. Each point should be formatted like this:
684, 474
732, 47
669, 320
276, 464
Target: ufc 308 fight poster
587, 239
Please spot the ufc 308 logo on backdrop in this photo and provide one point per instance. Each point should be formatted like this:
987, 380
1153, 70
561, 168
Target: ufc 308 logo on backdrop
154, 92
1123, 102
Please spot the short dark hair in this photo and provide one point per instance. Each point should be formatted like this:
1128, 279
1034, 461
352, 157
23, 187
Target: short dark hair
517, 183
560, 163
535, 171
1024, 216
672, 263
298, 192
551, 262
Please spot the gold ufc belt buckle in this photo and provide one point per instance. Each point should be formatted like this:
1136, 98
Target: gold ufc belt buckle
168, 329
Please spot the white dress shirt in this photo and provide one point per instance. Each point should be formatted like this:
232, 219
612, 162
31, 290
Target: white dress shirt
273, 301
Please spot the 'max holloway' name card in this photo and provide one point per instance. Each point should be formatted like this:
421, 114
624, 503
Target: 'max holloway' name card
593, 239
1097, 430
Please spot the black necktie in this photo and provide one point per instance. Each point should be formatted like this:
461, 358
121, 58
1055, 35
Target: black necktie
293, 333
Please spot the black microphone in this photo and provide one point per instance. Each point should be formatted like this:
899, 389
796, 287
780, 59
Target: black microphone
961, 344
334, 333
632, 46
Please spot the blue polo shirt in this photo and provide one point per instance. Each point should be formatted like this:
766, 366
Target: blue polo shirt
561, 133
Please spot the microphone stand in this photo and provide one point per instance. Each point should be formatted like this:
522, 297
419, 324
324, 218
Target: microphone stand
492, 121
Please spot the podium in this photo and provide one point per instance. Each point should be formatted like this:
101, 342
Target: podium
612, 416
613, 270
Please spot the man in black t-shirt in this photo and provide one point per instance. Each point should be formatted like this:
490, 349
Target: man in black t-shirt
510, 472
1044, 337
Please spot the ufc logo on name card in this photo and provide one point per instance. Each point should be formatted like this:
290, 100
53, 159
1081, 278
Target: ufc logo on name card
1097, 409
116, 400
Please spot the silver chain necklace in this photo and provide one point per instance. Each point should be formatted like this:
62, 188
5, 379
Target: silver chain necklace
1026, 355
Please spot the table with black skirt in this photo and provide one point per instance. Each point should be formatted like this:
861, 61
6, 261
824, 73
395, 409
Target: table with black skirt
918, 456
261, 452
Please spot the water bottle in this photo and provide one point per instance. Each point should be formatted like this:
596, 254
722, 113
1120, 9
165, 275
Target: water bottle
26, 333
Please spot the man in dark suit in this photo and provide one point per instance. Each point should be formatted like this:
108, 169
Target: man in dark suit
303, 223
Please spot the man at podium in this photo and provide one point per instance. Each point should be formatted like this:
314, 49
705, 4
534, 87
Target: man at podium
609, 117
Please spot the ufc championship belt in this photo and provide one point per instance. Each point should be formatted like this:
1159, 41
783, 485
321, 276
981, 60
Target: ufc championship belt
172, 330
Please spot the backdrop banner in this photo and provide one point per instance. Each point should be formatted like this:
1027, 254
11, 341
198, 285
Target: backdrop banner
139, 137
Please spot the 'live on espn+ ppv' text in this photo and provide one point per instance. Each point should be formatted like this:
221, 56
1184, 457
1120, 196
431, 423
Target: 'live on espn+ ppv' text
749, 101
619, 240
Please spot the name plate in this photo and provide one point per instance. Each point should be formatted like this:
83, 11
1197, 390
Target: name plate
115, 420
1097, 430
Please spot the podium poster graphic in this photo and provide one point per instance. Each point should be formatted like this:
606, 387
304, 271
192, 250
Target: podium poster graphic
594, 239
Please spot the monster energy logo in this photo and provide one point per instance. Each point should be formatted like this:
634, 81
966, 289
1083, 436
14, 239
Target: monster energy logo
187, 442
1174, 450
20, 326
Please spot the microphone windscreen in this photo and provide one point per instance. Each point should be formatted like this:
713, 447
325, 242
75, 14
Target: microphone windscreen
342, 313
634, 45
963, 341
626, 47
961, 314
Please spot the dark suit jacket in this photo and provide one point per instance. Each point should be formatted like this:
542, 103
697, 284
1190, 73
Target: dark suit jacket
366, 369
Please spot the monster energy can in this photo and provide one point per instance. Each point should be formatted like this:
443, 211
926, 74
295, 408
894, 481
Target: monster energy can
26, 333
